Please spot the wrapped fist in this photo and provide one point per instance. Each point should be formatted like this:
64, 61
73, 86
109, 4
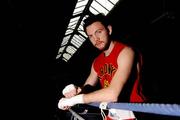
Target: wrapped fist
68, 102
70, 90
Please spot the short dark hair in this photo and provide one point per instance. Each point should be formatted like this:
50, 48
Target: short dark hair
95, 18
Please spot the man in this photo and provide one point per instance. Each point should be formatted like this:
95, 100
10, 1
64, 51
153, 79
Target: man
117, 69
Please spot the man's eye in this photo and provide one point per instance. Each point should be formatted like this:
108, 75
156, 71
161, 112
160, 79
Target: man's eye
99, 31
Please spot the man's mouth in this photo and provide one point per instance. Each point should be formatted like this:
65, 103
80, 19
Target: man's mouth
98, 43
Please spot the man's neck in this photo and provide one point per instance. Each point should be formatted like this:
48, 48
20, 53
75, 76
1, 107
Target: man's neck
108, 51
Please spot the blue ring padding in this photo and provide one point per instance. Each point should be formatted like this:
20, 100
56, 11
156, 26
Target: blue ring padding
162, 109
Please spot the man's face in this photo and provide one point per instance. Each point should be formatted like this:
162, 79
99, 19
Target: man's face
98, 35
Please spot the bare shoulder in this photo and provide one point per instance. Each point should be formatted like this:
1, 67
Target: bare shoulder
126, 55
127, 51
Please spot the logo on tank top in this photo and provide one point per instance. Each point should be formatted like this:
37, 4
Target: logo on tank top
106, 83
106, 73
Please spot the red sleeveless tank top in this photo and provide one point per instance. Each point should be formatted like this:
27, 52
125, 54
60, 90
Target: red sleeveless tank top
106, 66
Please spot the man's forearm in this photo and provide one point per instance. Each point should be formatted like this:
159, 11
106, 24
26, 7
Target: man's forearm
102, 95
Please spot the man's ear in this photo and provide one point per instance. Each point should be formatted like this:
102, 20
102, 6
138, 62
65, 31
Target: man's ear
110, 29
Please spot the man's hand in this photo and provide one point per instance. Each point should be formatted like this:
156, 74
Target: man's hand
71, 90
65, 103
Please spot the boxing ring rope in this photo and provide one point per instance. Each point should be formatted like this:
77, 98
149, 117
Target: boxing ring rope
161, 109
154, 108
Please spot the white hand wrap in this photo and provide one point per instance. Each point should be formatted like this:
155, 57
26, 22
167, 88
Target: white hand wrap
63, 102
68, 88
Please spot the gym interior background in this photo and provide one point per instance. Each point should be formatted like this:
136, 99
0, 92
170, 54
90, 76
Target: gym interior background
36, 78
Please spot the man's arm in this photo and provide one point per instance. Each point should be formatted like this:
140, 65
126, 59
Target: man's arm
72, 90
111, 93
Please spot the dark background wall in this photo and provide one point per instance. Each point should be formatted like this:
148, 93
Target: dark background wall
35, 78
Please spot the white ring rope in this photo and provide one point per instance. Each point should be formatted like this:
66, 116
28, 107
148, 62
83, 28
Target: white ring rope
162, 109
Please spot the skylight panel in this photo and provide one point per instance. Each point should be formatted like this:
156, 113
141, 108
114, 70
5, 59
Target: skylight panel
78, 10
73, 41
61, 49
64, 59
58, 56
68, 31
80, 28
66, 56
98, 7
81, 3
76, 13
65, 40
60, 52
78, 39
93, 10
76, 42
74, 19
82, 39
86, 16
83, 33
106, 3
71, 50
114, 1
72, 24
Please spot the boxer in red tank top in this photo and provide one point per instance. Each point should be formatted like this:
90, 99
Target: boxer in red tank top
106, 66
117, 68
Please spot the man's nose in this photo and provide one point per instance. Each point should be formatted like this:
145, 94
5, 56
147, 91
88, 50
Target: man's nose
96, 38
